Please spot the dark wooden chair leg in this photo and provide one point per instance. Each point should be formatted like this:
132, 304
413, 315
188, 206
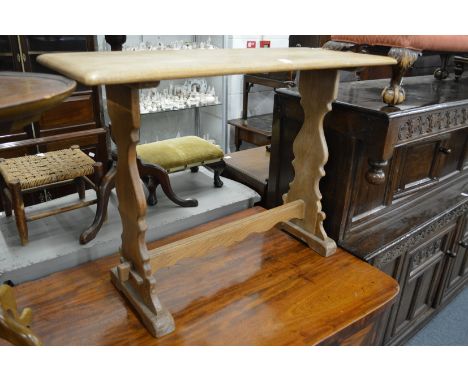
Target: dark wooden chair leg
103, 193
18, 207
80, 187
161, 176
394, 93
98, 173
442, 72
6, 202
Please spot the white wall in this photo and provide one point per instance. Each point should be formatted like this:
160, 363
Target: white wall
260, 97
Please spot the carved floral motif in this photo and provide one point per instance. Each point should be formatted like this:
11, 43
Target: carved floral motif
419, 237
425, 253
420, 125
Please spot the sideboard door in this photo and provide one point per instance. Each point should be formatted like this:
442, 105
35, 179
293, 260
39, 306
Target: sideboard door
420, 284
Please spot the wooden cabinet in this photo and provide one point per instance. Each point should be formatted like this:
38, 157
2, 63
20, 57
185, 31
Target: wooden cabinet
457, 266
396, 187
81, 111
420, 280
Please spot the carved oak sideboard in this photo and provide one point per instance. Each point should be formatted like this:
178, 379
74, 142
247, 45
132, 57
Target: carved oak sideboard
396, 187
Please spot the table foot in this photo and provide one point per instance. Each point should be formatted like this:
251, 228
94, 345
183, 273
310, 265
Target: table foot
158, 324
325, 247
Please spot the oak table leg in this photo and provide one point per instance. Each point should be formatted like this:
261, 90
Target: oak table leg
318, 90
134, 276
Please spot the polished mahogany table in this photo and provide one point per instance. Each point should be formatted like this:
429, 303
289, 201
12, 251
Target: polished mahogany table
124, 73
270, 289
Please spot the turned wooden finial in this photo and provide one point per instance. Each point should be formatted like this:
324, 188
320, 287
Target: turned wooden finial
115, 41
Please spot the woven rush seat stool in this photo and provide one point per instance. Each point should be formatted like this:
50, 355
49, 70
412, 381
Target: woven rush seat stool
35, 172
155, 162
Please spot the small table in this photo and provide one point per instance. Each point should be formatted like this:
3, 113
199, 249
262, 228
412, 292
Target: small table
124, 73
25, 96
257, 129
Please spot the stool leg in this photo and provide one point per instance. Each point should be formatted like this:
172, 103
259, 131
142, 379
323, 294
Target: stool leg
459, 68
80, 187
442, 72
151, 185
218, 169
103, 194
18, 207
237, 139
161, 176
6, 202
394, 93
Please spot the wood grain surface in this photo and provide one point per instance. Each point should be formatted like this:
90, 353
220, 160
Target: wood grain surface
27, 95
268, 290
113, 68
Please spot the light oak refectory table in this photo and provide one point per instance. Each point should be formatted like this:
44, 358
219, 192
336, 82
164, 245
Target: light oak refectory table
124, 73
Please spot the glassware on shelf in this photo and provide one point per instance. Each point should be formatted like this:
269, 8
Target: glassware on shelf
173, 45
193, 93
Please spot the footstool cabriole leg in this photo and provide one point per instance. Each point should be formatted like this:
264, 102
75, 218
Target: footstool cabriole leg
104, 188
394, 93
318, 90
134, 276
442, 72
459, 68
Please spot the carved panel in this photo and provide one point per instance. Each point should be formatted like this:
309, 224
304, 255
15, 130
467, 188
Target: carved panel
425, 254
418, 237
429, 123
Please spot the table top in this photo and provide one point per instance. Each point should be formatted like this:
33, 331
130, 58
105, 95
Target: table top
111, 68
26, 94
269, 289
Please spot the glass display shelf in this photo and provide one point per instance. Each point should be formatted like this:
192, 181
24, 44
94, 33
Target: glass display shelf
179, 109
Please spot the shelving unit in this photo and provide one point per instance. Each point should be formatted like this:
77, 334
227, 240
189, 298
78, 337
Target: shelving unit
206, 121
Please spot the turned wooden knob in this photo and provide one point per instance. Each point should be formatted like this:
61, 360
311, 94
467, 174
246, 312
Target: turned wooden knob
445, 150
375, 174
449, 253
463, 244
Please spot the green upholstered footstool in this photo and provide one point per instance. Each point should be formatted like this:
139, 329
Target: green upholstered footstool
158, 159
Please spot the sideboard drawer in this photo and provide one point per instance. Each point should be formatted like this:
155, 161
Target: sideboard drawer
453, 153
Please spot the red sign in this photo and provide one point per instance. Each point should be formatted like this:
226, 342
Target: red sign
251, 44
265, 44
